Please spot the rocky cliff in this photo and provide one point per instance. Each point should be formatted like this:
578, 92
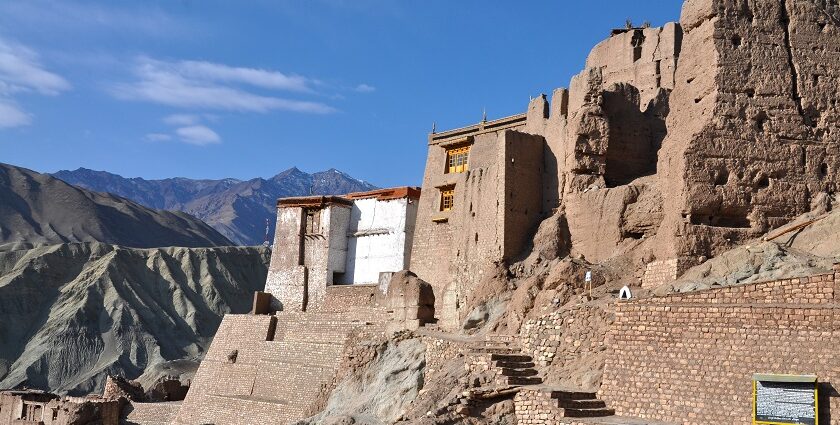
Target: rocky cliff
37, 209
72, 313
236, 208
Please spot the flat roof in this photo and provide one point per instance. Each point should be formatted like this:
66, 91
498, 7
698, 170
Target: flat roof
347, 200
480, 128
312, 201
388, 194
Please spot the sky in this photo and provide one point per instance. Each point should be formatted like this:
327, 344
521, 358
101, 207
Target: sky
249, 88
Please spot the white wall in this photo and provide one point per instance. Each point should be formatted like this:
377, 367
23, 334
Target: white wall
377, 239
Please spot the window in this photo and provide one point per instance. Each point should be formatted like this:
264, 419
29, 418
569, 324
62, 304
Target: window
313, 221
456, 159
447, 198
55, 414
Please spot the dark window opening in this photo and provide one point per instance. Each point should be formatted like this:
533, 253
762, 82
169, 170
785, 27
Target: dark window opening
823, 170
721, 177
763, 182
759, 121
313, 221
637, 42
736, 41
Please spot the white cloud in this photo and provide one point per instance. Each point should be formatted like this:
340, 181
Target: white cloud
198, 135
158, 137
364, 88
182, 119
176, 84
12, 116
22, 72
252, 76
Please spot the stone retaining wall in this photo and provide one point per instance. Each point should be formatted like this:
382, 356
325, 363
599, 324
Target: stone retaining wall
690, 357
349, 297
567, 334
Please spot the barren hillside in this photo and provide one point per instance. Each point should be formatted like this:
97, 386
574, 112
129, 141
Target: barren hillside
72, 313
37, 209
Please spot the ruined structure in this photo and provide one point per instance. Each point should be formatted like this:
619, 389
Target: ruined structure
320, 241
672, 145
38, 407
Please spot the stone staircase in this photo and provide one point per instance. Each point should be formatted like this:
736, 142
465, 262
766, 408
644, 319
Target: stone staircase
540, 405
500, 357
515, 373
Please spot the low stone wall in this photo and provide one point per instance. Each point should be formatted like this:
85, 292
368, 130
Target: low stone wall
568, 334
439, 351
533, 407
349, 297
690, 357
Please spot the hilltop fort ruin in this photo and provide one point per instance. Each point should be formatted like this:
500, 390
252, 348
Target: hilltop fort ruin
672, 146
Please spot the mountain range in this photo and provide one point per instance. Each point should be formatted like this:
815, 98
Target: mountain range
238, 209
37, 209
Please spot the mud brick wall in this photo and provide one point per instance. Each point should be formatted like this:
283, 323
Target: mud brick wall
691, 357
665, 271
567, 334
349, 297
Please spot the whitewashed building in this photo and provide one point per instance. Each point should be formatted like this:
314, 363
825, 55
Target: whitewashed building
323, 241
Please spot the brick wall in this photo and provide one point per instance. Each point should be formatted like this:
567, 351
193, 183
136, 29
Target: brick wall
349, 297
691, 357
262, 367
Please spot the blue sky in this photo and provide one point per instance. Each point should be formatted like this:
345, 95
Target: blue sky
213, 89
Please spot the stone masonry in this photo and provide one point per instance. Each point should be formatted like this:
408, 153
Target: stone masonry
497, 206
690, 357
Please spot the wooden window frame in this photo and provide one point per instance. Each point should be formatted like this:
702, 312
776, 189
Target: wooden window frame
457, 159
447, 198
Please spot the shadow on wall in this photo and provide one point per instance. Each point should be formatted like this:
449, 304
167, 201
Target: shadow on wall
635, 136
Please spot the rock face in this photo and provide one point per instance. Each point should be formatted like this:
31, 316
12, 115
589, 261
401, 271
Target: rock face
236, 208
72, 314
37, 209
752, 136
692, 138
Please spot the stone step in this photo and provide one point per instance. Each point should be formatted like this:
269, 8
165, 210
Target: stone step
587, 413
518, 372
494, 350
518, 380
581, 404
511, 357
573, 395
513, 365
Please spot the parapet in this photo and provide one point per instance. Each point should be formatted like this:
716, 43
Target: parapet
387, 194
313, 202
512, 122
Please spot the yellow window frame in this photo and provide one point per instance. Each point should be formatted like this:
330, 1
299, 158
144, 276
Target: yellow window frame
457, 159
447, 199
